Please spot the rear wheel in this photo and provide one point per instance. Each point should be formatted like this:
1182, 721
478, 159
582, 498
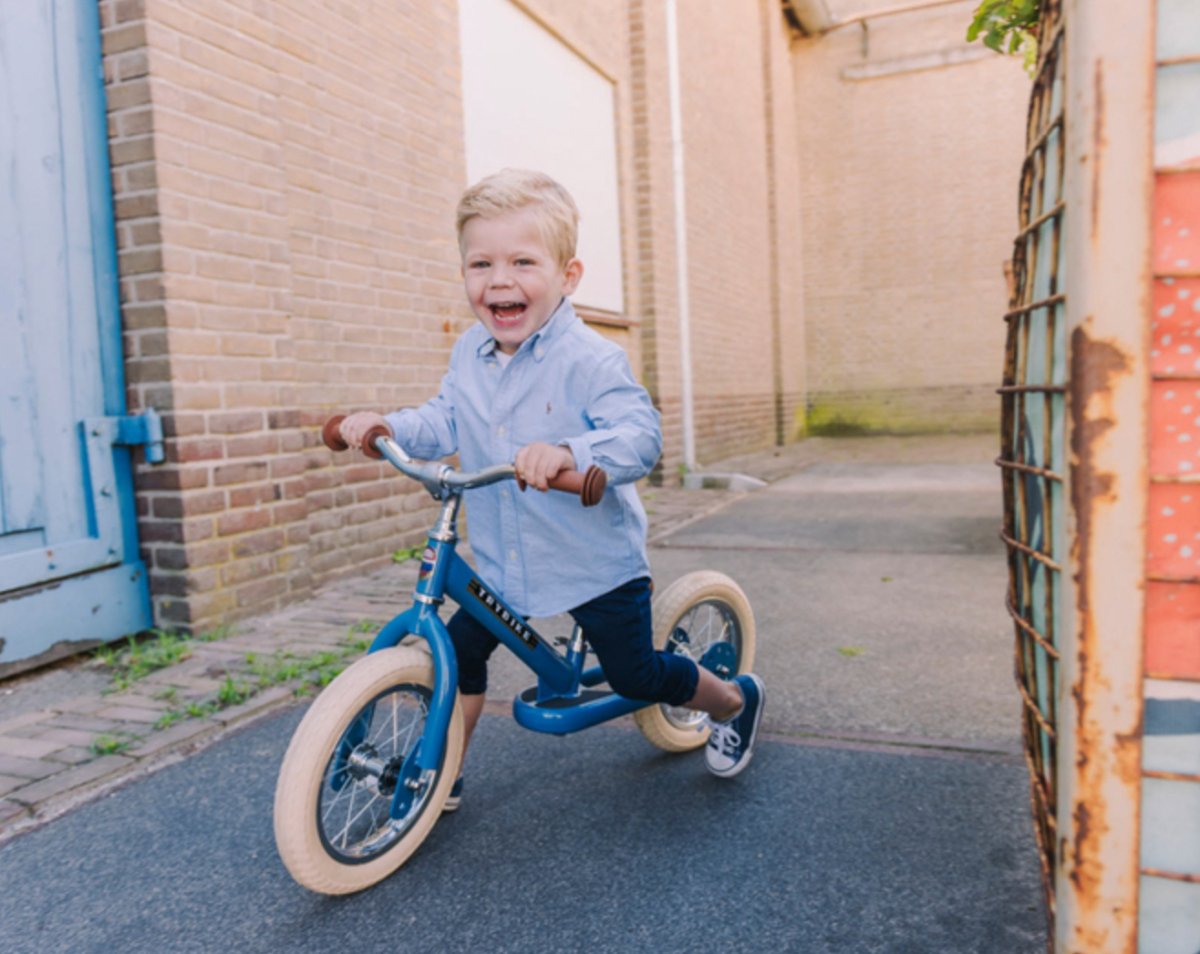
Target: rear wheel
350, 804
691, 616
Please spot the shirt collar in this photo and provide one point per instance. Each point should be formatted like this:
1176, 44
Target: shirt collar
540, 341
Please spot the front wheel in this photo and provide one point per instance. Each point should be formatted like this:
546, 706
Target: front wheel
691, 615
350, 806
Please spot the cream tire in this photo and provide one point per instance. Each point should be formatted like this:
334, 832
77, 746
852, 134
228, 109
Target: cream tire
710, 607
399, 679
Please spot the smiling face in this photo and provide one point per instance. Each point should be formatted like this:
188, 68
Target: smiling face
513, 281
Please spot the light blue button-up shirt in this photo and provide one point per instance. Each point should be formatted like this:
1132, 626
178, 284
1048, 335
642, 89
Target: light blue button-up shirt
565, 385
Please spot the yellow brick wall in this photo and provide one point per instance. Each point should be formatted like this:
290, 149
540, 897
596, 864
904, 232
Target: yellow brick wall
739, 150
909, 184
285, 179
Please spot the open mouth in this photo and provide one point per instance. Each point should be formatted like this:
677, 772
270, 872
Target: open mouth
507, 311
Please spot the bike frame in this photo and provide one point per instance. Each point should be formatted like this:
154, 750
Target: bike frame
560, 703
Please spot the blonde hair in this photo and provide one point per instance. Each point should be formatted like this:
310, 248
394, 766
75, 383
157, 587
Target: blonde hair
511, 189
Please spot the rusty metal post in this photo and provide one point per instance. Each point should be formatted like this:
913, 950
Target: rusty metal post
1109, 188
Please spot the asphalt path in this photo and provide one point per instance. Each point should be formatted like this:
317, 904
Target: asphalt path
885, 811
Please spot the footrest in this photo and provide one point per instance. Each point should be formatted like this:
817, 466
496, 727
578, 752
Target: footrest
562, 715
720, 659
529, 698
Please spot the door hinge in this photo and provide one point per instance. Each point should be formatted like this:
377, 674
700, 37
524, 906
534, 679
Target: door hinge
145, 429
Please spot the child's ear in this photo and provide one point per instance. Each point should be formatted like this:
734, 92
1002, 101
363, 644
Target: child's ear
574, 272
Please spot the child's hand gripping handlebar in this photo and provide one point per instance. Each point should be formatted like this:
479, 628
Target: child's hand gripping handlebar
378, 444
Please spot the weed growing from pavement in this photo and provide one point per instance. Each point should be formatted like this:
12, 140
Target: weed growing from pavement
141, 655
110, 743
309, 672
314, 671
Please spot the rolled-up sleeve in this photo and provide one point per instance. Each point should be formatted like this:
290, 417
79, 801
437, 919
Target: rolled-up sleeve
625, 439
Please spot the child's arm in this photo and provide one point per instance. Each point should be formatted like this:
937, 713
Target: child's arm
625, 438
426, 432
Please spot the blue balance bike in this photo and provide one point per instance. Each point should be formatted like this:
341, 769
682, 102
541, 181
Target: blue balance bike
374, 758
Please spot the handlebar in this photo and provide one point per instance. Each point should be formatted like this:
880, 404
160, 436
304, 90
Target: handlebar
378, 445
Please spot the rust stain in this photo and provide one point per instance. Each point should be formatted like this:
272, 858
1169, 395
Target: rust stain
1096, 367
1099, 144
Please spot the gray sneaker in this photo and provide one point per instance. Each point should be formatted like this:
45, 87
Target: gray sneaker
731, 744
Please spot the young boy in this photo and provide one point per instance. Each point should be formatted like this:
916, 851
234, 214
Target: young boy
532, 384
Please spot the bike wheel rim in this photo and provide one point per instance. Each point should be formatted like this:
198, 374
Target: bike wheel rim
353, 819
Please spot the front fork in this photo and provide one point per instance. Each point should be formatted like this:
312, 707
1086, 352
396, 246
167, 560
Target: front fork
415, 777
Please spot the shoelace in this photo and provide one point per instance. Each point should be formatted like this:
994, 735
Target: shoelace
724, 738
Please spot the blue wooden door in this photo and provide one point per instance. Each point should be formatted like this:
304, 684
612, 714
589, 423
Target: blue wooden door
69, 568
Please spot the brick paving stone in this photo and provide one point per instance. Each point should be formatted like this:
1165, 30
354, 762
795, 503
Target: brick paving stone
27, 768
195, 687
73, 754
70, 779
10, 782
130, 714
84, 705
9, 726
28, 748
66, 736
89, 723
139, 700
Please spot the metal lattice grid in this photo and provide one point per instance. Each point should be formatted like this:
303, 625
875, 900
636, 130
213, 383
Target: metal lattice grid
1032, 436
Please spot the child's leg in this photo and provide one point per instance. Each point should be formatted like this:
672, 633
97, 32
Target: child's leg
720, 699
472, 709
473, 645
619, 627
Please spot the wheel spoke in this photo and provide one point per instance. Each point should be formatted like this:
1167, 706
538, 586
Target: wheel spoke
706, 623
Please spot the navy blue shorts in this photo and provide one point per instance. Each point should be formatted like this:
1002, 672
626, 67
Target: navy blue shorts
619, 628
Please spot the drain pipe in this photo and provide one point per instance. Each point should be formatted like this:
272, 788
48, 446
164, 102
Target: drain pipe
681, 260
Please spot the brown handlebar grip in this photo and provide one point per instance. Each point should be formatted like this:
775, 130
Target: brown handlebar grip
331, 434
589, 484
376, 432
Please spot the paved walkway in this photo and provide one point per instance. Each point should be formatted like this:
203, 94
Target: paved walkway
86, 738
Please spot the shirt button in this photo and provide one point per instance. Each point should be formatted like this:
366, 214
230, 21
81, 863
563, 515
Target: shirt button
500, 430
512, 554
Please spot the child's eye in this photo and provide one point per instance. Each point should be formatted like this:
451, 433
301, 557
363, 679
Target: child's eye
525, 261
478, 264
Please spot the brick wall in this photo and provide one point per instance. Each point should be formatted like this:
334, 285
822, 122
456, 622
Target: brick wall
285, 177
740, 154
909, 165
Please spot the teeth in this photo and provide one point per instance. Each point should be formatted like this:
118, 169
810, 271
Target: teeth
507, 309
